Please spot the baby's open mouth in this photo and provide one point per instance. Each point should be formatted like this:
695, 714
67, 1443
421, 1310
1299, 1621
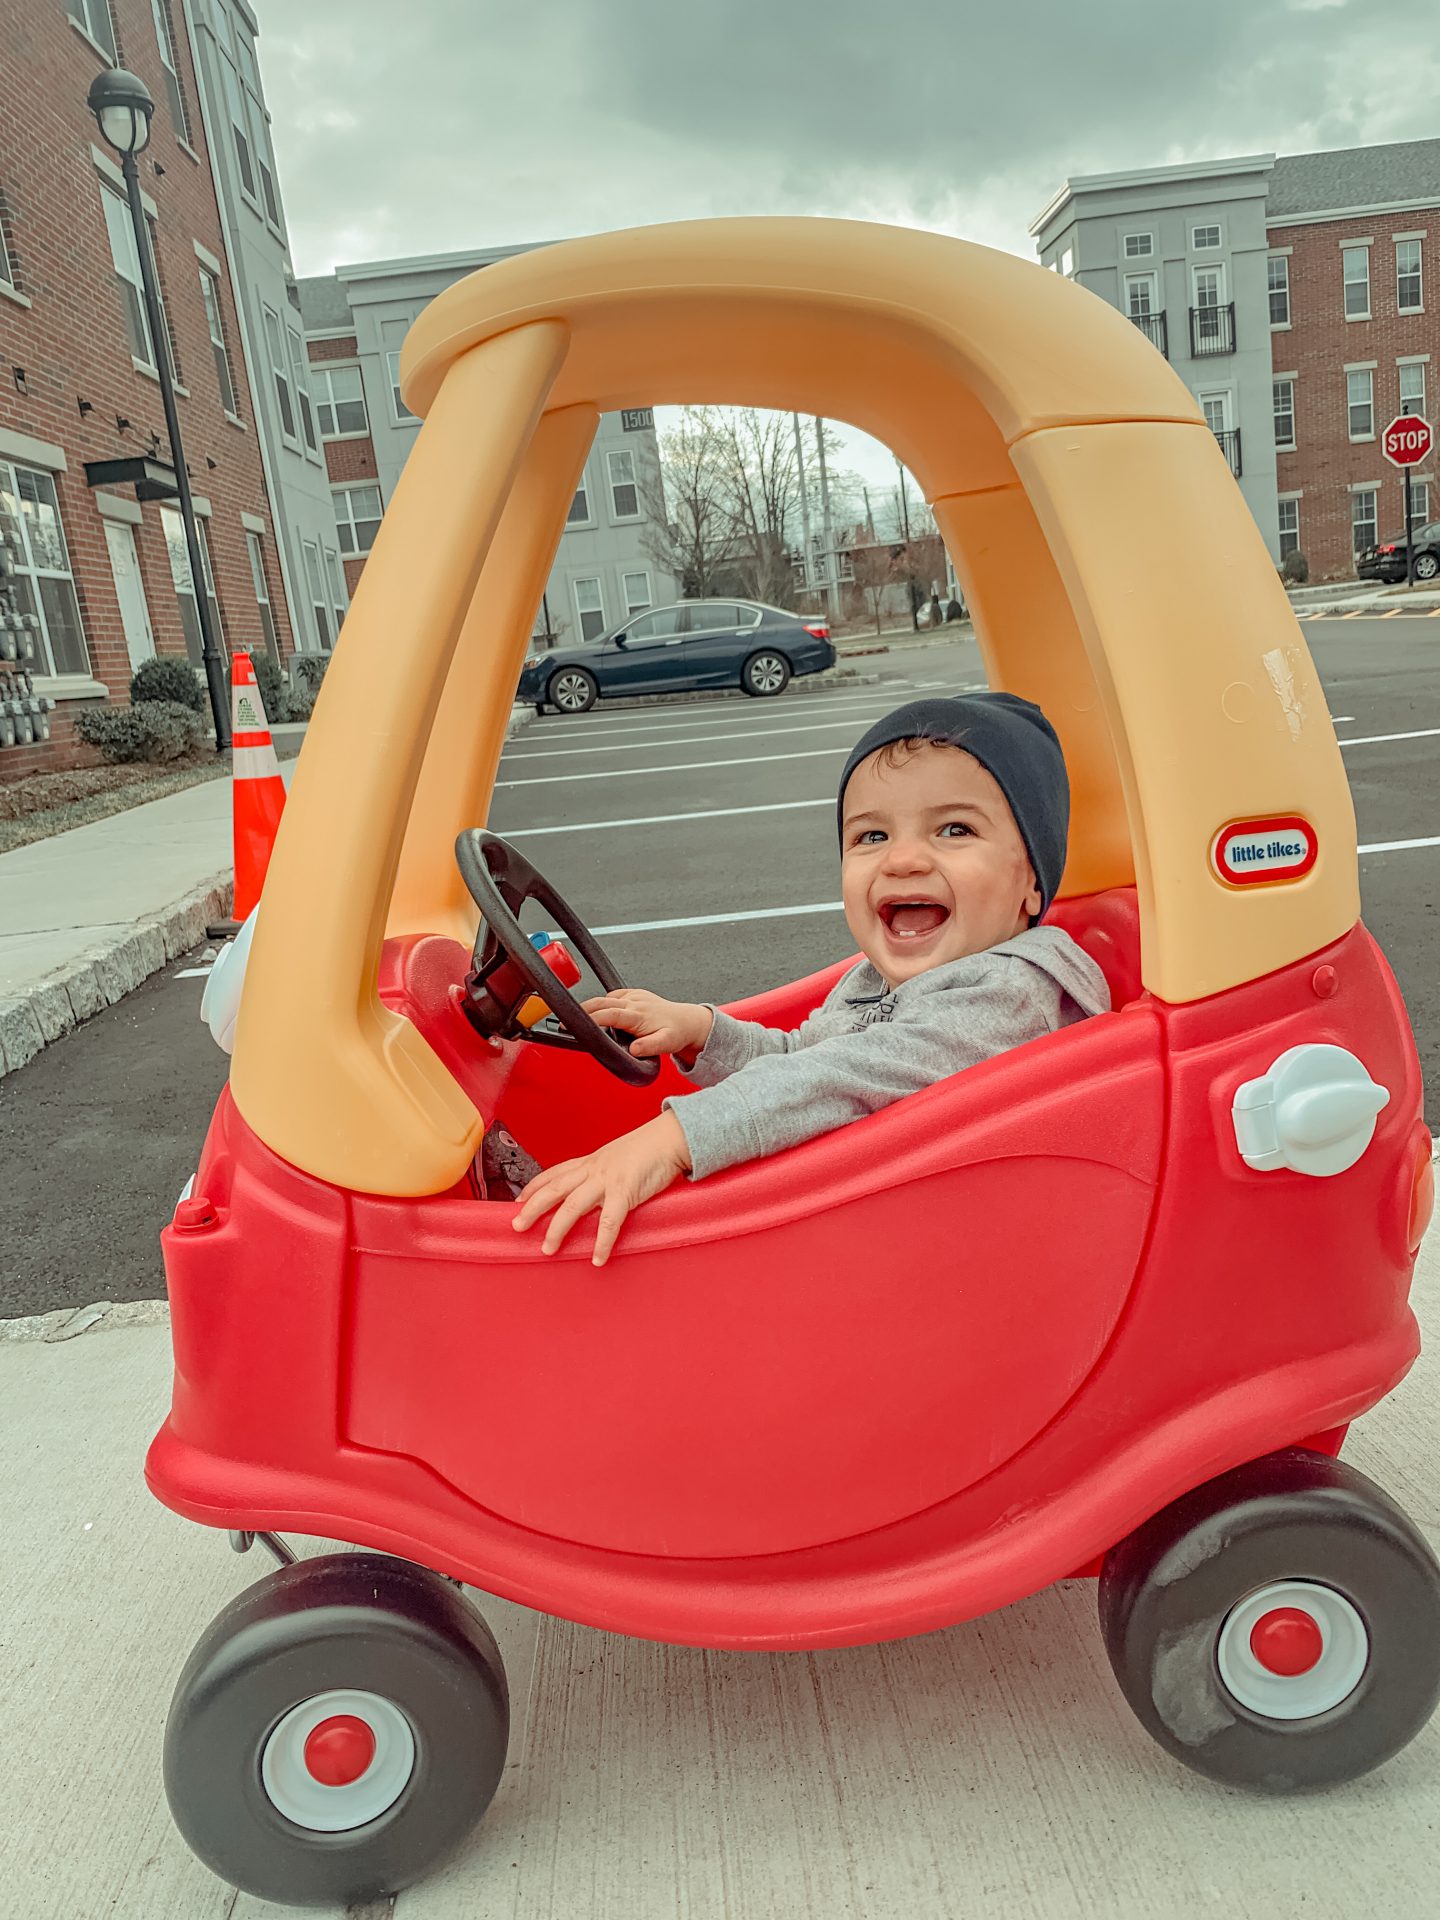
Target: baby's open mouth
910, 919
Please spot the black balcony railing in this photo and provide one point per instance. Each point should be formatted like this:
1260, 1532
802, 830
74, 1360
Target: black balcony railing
1230, 447
1153, 326
1212, 330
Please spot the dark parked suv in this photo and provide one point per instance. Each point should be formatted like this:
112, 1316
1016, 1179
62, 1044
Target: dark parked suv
1387, 560
695, 643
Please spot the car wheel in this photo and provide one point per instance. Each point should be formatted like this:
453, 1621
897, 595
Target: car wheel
1427, 565
1279, 1627
337, 1732
765, 674
573, 690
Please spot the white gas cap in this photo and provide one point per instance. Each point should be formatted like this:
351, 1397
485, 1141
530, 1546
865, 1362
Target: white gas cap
1313, 1112
220, 1002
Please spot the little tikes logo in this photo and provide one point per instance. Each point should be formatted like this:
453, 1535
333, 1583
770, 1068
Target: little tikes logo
1248, 851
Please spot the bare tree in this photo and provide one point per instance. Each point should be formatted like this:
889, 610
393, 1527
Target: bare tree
876, 570
764, 501
690, 521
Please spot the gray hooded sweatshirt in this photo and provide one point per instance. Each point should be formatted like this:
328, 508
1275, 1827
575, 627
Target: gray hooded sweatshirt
867, 1045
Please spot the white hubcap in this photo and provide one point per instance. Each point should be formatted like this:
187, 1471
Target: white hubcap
766, 675
571, 692
1292, 1650
289, 1762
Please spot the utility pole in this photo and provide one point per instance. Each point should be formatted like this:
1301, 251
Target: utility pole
909, 574
804, 502
869, 516
832, 570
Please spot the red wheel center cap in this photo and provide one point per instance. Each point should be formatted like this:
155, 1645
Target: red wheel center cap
1286, 1641
339, 1750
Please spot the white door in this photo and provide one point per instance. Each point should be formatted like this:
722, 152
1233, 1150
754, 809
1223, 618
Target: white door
130, 591
1216, 408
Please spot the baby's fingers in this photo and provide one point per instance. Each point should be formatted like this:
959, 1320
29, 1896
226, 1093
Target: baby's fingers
574, 1207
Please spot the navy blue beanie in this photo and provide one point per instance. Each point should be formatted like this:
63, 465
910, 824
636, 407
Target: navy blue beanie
1015, 743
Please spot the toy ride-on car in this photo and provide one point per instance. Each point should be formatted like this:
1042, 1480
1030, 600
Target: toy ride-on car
836, 1396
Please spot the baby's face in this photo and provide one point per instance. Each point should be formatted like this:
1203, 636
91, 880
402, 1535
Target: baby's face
932, 863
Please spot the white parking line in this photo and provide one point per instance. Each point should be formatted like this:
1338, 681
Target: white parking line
663, 819
688, 766
837, 906
693, 740
1379, 739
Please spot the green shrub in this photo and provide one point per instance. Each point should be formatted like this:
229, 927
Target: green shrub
168, 678
271, 684
163, 732
1296, 569
307, 670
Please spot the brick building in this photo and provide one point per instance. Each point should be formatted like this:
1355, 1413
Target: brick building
102, 575
1291, 296
356, 320
1355, 328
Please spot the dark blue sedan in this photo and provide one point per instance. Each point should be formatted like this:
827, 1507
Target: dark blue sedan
695, 643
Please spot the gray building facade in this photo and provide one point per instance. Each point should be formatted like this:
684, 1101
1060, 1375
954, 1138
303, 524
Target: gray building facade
356, 321
1183, 251
242, 158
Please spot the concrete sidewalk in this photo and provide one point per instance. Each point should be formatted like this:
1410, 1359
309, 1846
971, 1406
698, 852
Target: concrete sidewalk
91, 914
991, 1770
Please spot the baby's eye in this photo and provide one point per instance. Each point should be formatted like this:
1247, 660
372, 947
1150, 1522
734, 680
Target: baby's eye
869, 836
957, 827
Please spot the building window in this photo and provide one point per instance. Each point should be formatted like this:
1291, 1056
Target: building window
302, 389
1067, 261
319, 602
210, 292
637, 592
1362, 519
40, 580
340, 398
624, 494
1289, 528
1278, 274
1409, 293
579, 507
94, 17
357, 517
165, 35
1360, 398
1419, 503
402, 412
590, 605
262, 596
126, 260
284, 399
339, 599
1283, 392
1357, 282
240, 130
1139, 246
7, 264
183, 577
1202, 238
1140, 295
1412, 387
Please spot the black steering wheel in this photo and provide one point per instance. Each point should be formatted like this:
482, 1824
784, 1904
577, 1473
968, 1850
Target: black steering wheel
506, 969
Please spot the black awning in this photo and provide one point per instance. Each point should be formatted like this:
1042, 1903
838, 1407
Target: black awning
152, 479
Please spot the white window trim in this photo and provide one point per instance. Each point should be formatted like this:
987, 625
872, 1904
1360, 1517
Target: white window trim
1401, 240
1132, 276
1285, 325
90, 40
575, 585
1205, 226
1358, 439
340, 366
252, 523
636, 573
104, 164
1360, 366
1412, 359
292, 439
1137, 233
1284, 379
338, 487
622, 519
1365, 486
582, 485
1358, 246
207, 259
26, 452
35, 574
1420, 233
1355, 240
1292, 493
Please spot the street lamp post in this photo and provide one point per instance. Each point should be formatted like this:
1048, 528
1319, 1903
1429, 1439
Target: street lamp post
909, 564
122, 107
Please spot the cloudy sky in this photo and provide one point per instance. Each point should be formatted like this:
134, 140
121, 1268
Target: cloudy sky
437, 125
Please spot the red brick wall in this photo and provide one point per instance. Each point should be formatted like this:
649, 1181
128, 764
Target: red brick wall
1320, 344
72, 343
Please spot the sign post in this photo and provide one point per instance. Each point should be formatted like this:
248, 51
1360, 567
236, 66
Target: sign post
1405, 443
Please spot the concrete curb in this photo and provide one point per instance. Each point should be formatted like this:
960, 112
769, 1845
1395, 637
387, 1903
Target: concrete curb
107, 970
67, 1323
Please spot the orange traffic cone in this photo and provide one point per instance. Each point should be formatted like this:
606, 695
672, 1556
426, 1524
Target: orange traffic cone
258, 789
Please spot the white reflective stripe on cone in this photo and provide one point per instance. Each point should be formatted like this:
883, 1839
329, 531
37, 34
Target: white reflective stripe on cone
256, 763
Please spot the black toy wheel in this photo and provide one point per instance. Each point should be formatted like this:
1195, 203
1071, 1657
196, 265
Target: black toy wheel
1278, 1627
337, 1732
765, 674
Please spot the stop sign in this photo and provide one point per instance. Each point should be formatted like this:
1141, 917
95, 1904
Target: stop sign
1407, 440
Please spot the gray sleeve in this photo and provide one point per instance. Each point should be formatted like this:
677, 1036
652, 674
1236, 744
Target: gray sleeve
777, 1099
733, 1044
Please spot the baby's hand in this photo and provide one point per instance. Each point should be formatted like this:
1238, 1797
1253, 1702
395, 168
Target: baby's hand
618, 1177
659, 1026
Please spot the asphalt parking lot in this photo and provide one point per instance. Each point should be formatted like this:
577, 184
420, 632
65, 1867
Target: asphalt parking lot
698, 840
